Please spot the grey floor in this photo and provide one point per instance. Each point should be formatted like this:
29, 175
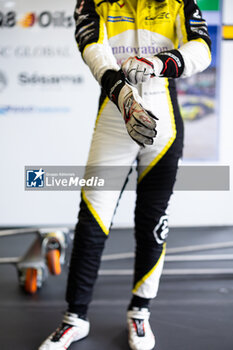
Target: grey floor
189, 313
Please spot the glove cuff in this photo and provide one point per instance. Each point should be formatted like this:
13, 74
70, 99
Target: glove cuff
173, 63
112, 82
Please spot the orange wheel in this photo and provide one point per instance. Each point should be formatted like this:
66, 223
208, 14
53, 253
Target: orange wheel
53, 261
30, 285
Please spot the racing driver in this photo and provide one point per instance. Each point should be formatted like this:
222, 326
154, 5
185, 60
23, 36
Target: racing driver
135, 49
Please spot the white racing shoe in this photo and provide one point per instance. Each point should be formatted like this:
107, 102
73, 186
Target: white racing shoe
72, 329
140, 335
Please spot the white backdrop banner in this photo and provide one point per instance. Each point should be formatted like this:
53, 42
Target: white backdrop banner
40, 69
48, 106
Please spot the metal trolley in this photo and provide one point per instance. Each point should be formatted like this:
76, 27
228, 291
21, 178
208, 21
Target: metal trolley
46, 254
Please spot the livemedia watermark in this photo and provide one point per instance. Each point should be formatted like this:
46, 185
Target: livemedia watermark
116, 178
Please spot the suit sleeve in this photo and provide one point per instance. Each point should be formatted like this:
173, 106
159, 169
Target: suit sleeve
91, 37
194, 39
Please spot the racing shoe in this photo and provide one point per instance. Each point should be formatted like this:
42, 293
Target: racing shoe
73, 328
140, 335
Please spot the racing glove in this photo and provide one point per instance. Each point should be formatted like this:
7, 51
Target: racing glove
140, 122
168, 64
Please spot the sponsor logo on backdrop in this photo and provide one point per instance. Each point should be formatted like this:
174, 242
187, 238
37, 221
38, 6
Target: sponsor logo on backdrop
39, 51
28, 20
36, 79
43, 19
28, 110
3, 81
8, 19
35, 178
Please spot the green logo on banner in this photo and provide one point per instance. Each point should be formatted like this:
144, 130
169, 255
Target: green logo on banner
209, 5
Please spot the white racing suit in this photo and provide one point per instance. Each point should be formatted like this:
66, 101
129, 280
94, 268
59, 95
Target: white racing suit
107, 33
